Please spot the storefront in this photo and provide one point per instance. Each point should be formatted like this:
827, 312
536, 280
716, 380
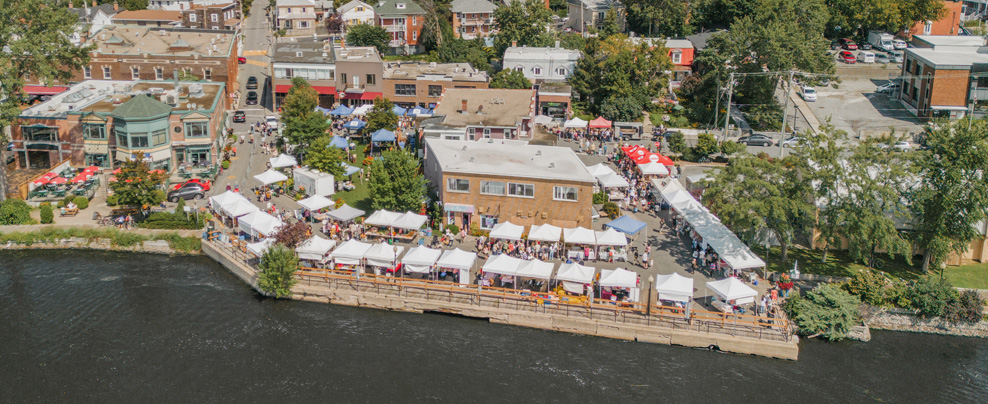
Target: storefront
458, 214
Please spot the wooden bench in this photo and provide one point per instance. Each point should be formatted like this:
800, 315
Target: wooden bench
69, 212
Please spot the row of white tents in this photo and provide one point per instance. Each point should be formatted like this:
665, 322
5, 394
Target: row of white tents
713, 233
250, 219
548, 232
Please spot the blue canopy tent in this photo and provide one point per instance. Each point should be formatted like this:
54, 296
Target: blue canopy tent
355, 124
626, 224
349, 170
341, 110
322, 110
420, 111
399, 110
383, 135
338, 142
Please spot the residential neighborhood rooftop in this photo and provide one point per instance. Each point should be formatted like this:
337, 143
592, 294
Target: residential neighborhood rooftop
358, 54
509, 159
397, 7
124, 40
949, 40
540, 53
960, 57
433, 71
104, 96
304, 49
472, 6
149, 15
485, 107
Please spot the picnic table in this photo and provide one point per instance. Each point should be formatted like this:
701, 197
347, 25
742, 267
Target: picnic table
69, 212
185, 174
60, 193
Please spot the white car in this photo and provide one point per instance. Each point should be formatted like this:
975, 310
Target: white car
808, 93
272, 121
792, 142
902, 146
899, 44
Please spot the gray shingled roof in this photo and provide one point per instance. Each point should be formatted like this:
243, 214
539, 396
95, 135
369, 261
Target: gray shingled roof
107, 9
472, 6
390, 7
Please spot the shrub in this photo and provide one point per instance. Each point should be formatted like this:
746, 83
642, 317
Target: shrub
967, 308
931, 297
68, 199
476, 231
869, 286
15, 211
611, 210
180, 207
170, 220
278, 266
47, 216
827, 311
730, 147
82, 202
158, 196
112, 200
368, 160
600, 197
225, 164
452, 228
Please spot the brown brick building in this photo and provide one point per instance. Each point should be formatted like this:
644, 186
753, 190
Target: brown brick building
486, 183
945, 77
215, 16
482, 114
411, 83
158, 54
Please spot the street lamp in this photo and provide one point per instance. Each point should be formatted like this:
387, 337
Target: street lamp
648, 309
395, 262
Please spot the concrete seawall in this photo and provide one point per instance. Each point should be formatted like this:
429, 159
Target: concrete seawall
460, 302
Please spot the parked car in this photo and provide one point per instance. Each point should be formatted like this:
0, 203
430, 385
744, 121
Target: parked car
808, 93
902, 146
755, 140
189, 190
882, 58
252, 83
272, 121
793, 141
848, 44
888, 88
239, 117
241, 60
846, 57
895, 56
206, 185
865, 46
866, 57
835, 45
899, 44
252, 98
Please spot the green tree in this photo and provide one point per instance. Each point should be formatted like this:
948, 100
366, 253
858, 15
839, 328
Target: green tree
323, 157
278, 266
706, 145
615, 75
509, 78
133, 4
659, 18
627, 108
931, 297
300, 100
826, 149
731, 147
368, 35
14, 212
396, 183
610, 25
827, 311
571, 40
457, 50
524, 22
721, 13
382, 116
47, 216
953, 193
136, 185
34, 38
306, 129
849, 16
752, 194
677, 143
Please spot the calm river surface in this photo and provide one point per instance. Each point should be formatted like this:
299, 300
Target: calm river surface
111, 327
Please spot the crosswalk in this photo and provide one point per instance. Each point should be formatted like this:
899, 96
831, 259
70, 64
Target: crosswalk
256, 63
256, 52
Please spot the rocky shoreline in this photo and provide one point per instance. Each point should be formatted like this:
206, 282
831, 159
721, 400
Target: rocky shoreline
905, 320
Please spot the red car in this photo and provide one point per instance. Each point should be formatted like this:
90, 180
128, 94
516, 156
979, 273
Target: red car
205, 184
847, 57
241, 60
848, 44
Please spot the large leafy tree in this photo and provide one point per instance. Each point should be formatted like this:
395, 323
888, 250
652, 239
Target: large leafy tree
34, 41
292, 234
367, 35
618, 77
396, 183
753, 194
610, 25
323, 157
278, 266
300, 100
458, 50
826, 152
136, 184
511, 79
306, 129
849, 16
711, 14
827, 311
382, 116
525, 22
953, 192
659, 18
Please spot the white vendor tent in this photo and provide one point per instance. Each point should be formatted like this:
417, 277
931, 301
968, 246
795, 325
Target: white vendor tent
678, 196
351, 252
363, 109
259, 223
410, 221
618, 278
575, 123
260, 247
382, 218
345, 213
613, 180
383, 254
225, 198
507, 231
315, 249
731, 289
457, 259
420, 259
238, 208
316, 202
502, 264
270, 177
579, 235
574, 272
599, 169
545, 232
283, 160
535, 269
653, 168
674, 287
611, 237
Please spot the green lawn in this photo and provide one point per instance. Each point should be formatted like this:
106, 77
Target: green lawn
838, 263
359, 197
974, 276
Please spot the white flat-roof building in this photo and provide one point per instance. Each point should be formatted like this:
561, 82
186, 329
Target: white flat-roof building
539, 64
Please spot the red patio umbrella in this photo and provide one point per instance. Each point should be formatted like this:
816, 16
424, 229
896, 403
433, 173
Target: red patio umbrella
58, 181
91, 169
49, 175
43, 180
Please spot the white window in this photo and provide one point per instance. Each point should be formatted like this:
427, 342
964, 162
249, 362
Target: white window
561, 71
928, 28
135, 73
492, 188
471, 133
213, 18
677, 57
303, 24
207, 74
106, 72
457, 185
87, 72
564, 193
415, 35
216, 28
487, 222
192, 17
537, 71
522, 190
487, 133
159, 74
519, 68
400, 6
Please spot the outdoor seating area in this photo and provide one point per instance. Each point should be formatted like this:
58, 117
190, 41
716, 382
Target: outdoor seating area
53, 186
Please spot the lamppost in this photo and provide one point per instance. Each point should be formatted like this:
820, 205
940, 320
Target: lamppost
395, 262
651, 283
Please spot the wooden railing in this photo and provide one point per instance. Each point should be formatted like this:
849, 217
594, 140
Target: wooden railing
771, 328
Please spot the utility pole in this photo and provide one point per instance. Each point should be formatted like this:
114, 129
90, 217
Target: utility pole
785, 107
717, 104
730, 94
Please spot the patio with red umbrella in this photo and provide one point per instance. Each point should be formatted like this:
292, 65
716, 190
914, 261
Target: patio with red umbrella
43, 180
58, 181
115, 172
91, 169
80, 178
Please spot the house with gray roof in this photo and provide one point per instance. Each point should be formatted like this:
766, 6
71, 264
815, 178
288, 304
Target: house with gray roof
403, 20
585, 14
91, 19
472, 18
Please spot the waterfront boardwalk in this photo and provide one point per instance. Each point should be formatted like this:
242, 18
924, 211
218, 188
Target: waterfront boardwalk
763, 336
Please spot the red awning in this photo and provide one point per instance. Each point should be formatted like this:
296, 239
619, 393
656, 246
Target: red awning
324, 90
600, 122
366, 96
42, 90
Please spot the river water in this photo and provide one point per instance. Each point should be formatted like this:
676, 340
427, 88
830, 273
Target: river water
115, 327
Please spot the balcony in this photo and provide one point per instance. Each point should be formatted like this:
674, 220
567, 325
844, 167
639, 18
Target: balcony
396, 43
394, 28
476, 21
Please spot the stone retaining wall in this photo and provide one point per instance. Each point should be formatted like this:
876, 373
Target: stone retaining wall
76, 243
899, 320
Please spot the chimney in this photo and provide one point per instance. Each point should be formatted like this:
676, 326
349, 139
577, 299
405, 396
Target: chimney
116, 7
514, 44
480, 109
464, 107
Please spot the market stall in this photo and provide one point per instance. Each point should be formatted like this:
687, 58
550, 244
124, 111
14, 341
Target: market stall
539, 272
545, 232
653, 169
315, 249
282, 161
349, 255
731, 294
500, 270
260, 247
575, 123
259, 224
507, 231
383, 255
420, 260
270, 177
579, 241
345, 213
618, 285
674, 288
574, 278
458, 260
315, 203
